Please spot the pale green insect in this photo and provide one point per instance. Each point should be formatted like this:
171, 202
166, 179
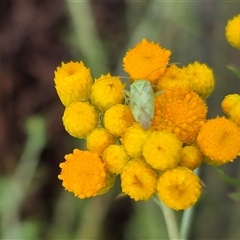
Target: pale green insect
141, 98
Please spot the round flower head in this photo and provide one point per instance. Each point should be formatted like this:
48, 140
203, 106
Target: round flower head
133, 140
201, 79
109, 183
231, 106
181, 112
234, 113
117, 119
219, 140
73, 82
98, 140
229, 101
79, 119
162, 150
147, 60
179, 188
83, 173
232, 31
174, 78
191, 157
138, 179
106, 92
115, 158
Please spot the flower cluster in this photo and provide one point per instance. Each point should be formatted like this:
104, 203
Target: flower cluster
158, 160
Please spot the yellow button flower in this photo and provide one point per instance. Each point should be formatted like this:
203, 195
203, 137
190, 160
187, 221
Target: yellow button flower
201, 79
82, 173
138, 179
174, 78
229, 101
191, 157
79, 119
115, 158
133, 140
147, 60
106, 92
219, 141
73, 82
179, 188
98, 140
231, 106
181, 112
162, 150
234, 113
117, 119
232, 31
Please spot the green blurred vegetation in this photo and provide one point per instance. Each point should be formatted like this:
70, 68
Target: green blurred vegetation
99, 34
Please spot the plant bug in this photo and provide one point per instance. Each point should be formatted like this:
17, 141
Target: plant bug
141, 98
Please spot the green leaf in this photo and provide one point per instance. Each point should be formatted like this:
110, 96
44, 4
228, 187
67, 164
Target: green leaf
230, 180
234, 69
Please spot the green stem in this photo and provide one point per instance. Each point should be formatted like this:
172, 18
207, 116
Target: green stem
86, 38
187, 217
16, 188
170, 220
186, 223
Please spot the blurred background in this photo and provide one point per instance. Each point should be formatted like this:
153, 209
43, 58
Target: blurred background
35, 37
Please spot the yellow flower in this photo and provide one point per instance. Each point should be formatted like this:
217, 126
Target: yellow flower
191, 157
181, 112
231, 106
106, 92
234, 113
73, 82
117, 119
179, 188
109, 183
138, 179
219, 140
98, 140
162, 150
174, 78
133, 140
115, 158
82, 173
147, 60
229, 101
201, 79
232, 31
79, 119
